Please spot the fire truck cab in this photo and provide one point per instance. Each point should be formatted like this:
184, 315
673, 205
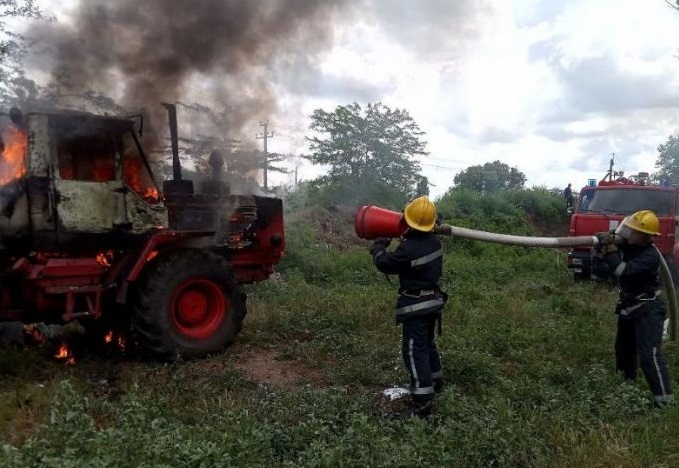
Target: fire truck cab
603, 206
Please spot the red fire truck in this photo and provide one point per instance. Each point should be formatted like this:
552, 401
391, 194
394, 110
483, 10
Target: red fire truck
601, 207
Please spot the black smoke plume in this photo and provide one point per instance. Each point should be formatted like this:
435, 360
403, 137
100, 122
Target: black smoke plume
145, 52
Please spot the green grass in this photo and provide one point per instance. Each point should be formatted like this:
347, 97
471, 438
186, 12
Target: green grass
527, 354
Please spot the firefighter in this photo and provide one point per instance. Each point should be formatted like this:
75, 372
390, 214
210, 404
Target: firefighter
641, 311
418, 261
568, 195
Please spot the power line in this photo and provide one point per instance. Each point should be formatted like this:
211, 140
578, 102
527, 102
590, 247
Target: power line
290, 127
456, 169
265, 136
447, 160
290, 137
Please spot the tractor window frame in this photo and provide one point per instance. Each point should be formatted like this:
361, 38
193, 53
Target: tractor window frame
76, 140
137, 175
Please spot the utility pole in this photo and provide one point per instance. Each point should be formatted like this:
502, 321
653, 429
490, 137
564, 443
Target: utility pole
296, 167
265, 135
610, 167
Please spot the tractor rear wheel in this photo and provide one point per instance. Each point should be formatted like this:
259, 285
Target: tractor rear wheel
188, 304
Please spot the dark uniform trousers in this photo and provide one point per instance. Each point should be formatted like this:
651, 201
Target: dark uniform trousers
638, 342
420, 355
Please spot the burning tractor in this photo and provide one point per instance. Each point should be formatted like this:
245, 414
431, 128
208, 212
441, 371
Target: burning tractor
87, 233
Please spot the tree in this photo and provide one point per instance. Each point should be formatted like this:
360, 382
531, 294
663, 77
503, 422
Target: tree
368, 144
13, 48
490, 177
422, 187
238, 159
668, 161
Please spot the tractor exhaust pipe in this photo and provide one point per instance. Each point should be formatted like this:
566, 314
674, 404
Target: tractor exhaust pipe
373, 222
175, 186
174, 139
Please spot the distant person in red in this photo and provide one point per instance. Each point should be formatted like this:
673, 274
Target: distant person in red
568, 195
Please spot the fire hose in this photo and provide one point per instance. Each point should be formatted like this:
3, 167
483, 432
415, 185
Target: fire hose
373, 222
561, 242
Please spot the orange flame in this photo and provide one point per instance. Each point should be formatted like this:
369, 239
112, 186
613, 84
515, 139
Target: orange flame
121, 343
14, 143
65, 354
136, 178
109, 337
151, 193
103, 258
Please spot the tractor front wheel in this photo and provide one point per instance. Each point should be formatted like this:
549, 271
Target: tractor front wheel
188, 304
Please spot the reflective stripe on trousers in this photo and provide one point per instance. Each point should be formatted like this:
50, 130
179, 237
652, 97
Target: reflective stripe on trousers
420, 355
639, 336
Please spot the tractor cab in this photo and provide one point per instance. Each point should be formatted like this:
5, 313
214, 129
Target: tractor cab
66, 174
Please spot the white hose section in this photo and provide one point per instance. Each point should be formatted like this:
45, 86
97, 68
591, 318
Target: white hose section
524, 241
562, 242
670, 294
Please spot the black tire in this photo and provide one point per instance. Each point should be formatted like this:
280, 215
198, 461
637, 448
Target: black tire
187, 304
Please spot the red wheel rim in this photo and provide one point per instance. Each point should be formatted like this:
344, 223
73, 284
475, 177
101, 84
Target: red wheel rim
198, 307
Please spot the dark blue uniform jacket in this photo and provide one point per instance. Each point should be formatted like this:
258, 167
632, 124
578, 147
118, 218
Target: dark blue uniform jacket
418, 262
637, 269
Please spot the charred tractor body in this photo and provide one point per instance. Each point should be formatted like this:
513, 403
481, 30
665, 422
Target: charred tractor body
88, 234
602, 207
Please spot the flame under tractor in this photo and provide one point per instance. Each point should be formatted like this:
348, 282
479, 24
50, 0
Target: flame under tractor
602, 206
87, 233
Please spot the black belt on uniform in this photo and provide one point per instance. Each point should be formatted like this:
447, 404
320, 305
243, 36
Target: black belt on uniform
419, 292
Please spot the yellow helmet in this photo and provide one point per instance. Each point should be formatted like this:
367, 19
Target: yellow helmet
643, 221
420, 214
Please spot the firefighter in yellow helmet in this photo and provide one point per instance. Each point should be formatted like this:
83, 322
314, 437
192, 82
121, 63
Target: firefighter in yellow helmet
631, 256
418, 261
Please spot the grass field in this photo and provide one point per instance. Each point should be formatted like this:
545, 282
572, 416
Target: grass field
527, 355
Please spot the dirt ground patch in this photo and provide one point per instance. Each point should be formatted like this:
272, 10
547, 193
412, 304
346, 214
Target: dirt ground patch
266, 366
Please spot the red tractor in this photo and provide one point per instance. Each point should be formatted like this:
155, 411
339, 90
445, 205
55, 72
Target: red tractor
601, 207
87, 233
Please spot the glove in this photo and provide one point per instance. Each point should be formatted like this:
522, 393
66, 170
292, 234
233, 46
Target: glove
606, 238
385, 241
379, 244
608, 249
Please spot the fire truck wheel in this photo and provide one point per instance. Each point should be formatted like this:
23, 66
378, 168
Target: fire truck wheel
188, 304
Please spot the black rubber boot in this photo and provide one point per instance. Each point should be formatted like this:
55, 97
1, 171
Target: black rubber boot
422, 405
438, 385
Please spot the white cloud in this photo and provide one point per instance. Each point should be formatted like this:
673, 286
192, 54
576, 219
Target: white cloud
550, 87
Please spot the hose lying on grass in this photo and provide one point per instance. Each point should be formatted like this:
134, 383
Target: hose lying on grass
561, 242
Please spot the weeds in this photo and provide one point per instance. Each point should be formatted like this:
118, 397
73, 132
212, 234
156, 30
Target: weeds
527, 356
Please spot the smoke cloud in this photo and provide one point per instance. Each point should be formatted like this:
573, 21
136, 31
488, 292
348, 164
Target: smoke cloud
143, 53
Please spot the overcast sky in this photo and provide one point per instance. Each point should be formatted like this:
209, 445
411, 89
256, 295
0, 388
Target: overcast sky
551, 87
